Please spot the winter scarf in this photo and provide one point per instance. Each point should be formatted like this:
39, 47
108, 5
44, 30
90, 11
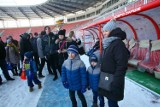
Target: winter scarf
14, 47
107, 41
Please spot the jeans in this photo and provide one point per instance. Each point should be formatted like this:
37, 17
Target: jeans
4, 69
101, 98
54, 63
36, 58
42, 63
73, 98
112, 103
32, 78
43, 60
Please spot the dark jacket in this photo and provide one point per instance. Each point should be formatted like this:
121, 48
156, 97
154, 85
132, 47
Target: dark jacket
25, 45
74, 73
114, 61
63, 56
2, 51
48, 44
33, 42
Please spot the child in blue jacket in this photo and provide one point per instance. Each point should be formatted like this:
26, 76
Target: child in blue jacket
31, 71
74, 76
93, 80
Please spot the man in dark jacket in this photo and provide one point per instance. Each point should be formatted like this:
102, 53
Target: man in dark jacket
3, 63
33, 41
114, 61
50, 50
25, 45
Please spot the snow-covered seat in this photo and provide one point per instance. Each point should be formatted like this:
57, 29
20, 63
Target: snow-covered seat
138, 52
152, 57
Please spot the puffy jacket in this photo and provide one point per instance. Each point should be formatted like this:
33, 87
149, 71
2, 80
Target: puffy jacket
74, 73
30, 67
93, 77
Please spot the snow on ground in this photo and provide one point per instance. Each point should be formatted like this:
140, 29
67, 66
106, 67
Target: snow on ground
16, 94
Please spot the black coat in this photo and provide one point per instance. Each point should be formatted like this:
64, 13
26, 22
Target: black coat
114, 61
63, 56
25, 45
2, 51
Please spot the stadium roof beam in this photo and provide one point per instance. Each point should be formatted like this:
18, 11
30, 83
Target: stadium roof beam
50, 8
57, 7
34, 10
79, 5
70, 5
44, 11
4, 11
21, 10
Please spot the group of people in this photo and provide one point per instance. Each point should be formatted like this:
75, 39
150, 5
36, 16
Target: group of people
62, 54
113, 62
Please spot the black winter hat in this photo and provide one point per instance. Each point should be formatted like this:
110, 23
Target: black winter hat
29, 55
62, 32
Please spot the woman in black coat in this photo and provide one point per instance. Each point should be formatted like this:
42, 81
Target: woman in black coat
114, 61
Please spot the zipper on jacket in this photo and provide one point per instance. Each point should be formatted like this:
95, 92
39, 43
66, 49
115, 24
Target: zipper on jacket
71, 71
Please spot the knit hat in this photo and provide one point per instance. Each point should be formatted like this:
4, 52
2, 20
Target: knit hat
111, 25
29, 55
9, 41
62, 32
73, 49
93, 58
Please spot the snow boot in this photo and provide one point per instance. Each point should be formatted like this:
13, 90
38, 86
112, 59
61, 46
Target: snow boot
30, 89
39, 86
94, 105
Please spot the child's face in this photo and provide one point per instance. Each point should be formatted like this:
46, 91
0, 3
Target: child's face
71, 55
61, 37
93, 63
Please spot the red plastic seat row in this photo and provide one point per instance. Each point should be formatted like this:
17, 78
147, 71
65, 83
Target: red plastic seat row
153, 58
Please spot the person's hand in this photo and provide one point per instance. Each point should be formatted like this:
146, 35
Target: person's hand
46, 57
66, 85
64, 50
59, 51
56, 42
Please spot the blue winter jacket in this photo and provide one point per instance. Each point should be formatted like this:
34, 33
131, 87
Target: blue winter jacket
74, 73
93, 77
30, 67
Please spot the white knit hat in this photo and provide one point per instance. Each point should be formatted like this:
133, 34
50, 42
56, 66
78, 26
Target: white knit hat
109, 26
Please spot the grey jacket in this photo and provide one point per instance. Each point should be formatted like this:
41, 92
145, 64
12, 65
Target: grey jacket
11, 55
39, 47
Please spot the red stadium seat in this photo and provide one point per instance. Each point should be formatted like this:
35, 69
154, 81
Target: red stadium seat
138, 52
152, 59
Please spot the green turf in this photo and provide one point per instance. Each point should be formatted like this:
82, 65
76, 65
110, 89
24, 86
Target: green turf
145, 79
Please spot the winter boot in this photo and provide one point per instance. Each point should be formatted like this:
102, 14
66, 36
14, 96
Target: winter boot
41, 76
39, 86
30, 89
94, 105
55, 78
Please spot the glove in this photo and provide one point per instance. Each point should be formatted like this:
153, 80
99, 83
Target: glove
66, 85
83, 90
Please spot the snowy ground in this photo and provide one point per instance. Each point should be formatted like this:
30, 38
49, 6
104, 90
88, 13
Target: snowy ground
16, 94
